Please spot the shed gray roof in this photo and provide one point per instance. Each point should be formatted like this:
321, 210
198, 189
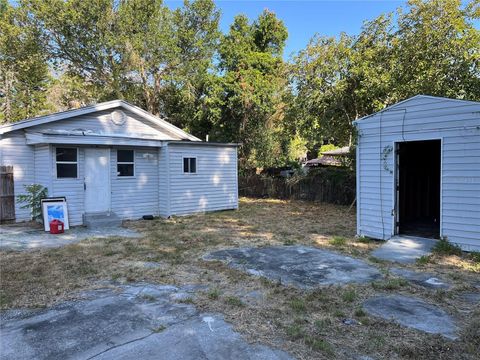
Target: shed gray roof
403, 103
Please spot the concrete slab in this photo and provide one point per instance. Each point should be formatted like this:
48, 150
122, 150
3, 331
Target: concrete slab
424, 279
414, 313
24, 238
300, 266
404, 249
130, 322
472, 298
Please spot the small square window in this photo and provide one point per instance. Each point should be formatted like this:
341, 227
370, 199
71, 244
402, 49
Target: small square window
66, 163
125, 163
190, 165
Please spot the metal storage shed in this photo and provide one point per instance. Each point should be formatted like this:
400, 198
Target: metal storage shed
418, 171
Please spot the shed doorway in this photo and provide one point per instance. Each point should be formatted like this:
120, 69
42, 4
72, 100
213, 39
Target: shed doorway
418, 188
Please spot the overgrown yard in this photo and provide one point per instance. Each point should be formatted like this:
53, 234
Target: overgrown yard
308, 324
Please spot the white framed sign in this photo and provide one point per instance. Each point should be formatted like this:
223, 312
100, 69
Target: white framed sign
55, 208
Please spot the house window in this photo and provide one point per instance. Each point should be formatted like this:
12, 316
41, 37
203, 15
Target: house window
125, 163
66, 161
190, 165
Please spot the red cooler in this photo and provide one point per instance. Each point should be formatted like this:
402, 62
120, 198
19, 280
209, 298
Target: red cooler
56, 227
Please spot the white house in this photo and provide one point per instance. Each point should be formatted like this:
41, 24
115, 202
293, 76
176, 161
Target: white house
418, 171
115, 158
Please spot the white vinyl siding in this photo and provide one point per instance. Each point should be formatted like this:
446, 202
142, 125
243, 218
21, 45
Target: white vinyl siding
214, 186
457, 125
101, 123
133, 197
15, 152
163, 182
70, 188
159, 185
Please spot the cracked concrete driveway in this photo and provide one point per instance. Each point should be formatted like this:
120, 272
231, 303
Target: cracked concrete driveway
300, 266
140, 321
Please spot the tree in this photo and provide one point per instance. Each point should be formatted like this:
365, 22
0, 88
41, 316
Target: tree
437, 50
252, 87
433, 48
24, 73
138, 50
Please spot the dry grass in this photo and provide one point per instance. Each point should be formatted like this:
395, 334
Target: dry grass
307, 324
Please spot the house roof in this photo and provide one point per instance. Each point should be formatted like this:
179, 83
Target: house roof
323, 161
24, 124
341, 151
401, 104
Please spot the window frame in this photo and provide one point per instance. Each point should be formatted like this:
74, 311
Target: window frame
126, 163
196, 165
66, 162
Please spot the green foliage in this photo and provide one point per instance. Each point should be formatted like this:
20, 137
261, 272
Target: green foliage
298, 305
234, 301
32, 199
297, 148
389, 284
424, 260
338, 241
327, 147
349, 295
24, 73
445, 247
214, 294
57, 55
431, 47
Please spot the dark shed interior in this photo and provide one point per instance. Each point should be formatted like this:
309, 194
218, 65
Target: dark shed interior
418, 192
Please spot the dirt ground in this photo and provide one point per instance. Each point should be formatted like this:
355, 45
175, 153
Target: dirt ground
307, 324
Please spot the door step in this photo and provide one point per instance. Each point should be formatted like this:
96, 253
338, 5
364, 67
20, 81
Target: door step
101, 220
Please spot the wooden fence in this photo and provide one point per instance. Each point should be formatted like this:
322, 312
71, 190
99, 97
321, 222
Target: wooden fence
7, 195
335, 186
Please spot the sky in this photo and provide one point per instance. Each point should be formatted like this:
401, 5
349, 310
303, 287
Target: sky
304, 18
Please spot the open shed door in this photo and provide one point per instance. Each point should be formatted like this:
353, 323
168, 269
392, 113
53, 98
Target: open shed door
418, 188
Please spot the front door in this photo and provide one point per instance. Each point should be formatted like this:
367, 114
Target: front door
97, 180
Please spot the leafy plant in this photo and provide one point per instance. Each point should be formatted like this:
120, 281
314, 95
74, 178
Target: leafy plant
32, 199
445, 247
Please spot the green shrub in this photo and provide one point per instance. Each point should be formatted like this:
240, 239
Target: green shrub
32, 199
234, 301
445, 247
338, 241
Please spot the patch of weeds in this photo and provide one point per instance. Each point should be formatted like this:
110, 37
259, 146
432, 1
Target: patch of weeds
349, 295
213, 294
295, 331
360, 313
159, 329
424, 260
365, 240
187, 300
234, 301
375, 260
289, 242
445, 247
338, 241
339, 313
389, 284
475, 256
147, 297
110, 253
298, 305
322, 323
318, 344
440, 295
116, 276
4, 300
